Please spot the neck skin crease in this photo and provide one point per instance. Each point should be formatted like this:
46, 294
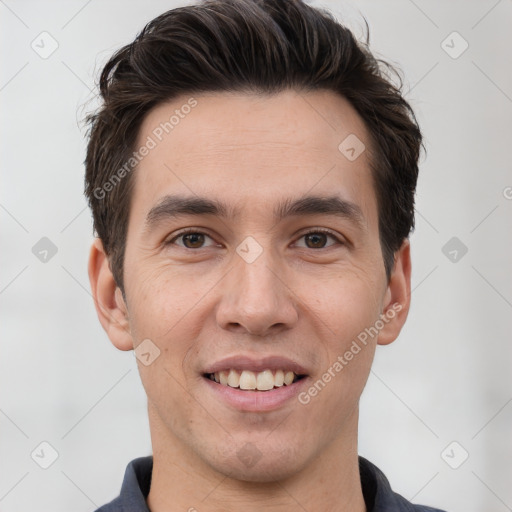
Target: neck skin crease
181, 481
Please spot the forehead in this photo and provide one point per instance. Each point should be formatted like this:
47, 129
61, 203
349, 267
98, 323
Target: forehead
254, 148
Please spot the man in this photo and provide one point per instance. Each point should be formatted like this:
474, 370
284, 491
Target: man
251, 174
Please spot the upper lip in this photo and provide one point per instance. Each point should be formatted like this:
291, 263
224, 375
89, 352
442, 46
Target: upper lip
244, 362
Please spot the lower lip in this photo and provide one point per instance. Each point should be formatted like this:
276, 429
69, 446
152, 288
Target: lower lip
255, 401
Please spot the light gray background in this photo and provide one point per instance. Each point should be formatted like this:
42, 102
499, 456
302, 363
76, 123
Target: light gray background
447, 378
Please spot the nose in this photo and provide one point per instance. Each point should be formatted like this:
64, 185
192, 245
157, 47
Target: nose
256, 297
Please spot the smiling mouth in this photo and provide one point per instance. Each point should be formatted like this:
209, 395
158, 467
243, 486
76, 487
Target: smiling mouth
247, 380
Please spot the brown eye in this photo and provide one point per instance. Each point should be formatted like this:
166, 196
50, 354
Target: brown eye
193, 240
190, 239
318, 239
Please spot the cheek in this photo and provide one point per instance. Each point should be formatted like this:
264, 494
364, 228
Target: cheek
342, 302
161, 300
163, 308
343, 311
169, 307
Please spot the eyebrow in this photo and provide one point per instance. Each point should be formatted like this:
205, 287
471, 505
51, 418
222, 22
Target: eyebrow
175, 206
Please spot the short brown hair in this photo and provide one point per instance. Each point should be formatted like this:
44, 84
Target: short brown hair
263, 46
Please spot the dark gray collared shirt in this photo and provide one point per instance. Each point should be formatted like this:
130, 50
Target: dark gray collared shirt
377, 492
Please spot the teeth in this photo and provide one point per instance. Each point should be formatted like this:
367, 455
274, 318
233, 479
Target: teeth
233, 379
288, 378
247, 380
264, 380
223, 376
261, 381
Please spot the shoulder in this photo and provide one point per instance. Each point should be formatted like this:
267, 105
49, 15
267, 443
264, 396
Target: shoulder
135, 488
114, 506
378, 494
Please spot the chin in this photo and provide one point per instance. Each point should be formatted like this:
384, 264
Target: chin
249, 463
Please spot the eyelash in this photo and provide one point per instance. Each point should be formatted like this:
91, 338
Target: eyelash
195, 231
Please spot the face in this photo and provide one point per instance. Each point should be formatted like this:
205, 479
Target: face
253, 249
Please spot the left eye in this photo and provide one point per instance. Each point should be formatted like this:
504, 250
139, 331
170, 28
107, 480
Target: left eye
318, 239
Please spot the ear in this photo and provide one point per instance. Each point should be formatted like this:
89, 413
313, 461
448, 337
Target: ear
397, 298
108, 299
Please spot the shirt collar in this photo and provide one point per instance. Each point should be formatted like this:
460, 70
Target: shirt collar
377, 492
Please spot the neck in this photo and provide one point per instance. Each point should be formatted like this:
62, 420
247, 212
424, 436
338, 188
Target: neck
182, 481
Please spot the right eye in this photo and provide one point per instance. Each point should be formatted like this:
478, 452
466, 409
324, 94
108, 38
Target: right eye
191, 239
